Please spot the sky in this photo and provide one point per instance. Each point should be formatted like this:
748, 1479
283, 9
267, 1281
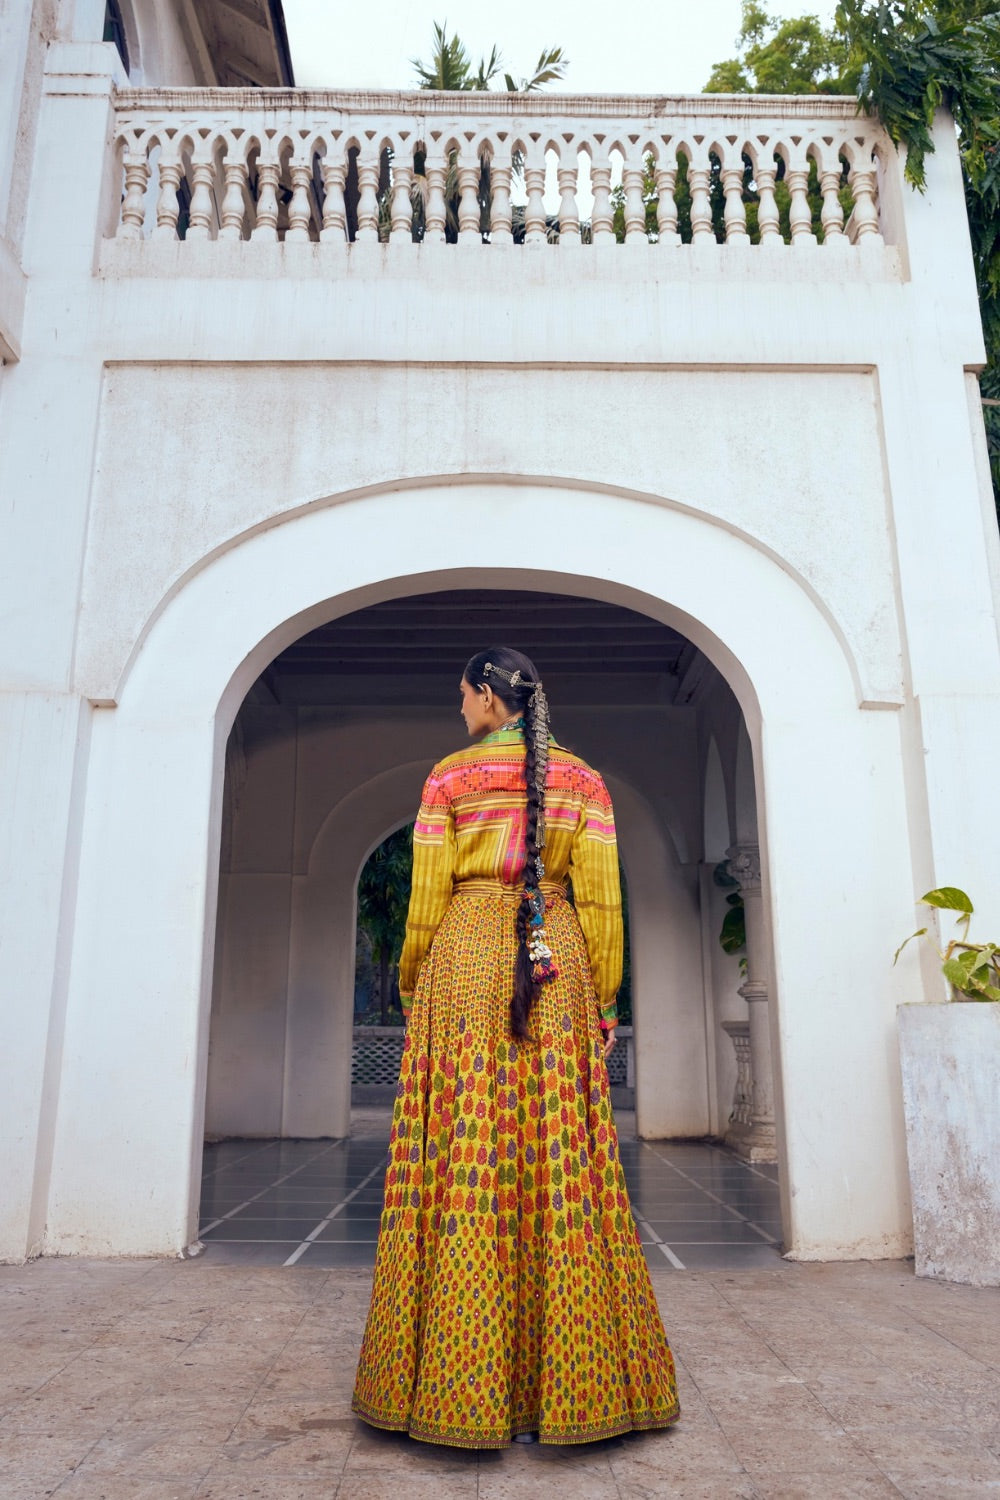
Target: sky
629, 47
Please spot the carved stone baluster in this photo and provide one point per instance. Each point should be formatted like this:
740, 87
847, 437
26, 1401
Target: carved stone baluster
864, 219
756, 1142
167, 204
268, 176
334, 206
768, 217
368, 175
401, 218
699, 177
569, 214
741, 1114
535, 228
500, 207
436, 213
234, 199
735, 213
799, 212
666, 205
202, 211
469, 227
299, 207
635, 207
134, 202
832, 212
602, 219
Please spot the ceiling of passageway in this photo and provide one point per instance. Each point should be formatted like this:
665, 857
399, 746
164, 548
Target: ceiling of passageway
413, 650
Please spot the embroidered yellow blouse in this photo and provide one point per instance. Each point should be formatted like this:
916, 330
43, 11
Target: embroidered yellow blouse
471, 826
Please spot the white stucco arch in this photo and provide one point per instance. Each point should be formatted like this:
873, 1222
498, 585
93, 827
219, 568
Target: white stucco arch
109, 664
137, 1016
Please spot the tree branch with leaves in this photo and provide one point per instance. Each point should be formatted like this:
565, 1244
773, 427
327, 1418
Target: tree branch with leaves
903, 61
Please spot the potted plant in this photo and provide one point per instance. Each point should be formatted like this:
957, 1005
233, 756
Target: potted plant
950, 1060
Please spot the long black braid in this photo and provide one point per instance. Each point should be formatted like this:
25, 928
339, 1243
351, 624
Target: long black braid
522, 697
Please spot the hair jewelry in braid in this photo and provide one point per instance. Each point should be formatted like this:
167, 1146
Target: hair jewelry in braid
514, 680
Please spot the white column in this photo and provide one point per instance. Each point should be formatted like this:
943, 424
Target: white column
126, 1164
44, 727
317, 1085
755, 1141
43, 754
942, 509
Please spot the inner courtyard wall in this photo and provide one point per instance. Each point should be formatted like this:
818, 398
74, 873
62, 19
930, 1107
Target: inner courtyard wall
299, 767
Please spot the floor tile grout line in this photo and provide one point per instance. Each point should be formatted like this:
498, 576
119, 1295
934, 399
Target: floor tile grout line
314, 1156
713, 1196
678, 1265
204, 1228
311, 1237
254, 1151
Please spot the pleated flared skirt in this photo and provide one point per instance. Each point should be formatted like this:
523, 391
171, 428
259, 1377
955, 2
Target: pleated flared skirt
511, 1293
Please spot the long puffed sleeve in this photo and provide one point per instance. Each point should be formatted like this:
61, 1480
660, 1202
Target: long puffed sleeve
430, 892
597, 895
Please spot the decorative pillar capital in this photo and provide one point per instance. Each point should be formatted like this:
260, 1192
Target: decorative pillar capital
753, 989
744, 863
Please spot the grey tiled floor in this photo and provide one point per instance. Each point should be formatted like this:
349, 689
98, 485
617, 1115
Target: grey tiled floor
318, 1203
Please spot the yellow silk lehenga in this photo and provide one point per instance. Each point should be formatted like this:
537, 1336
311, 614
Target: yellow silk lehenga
510, 1294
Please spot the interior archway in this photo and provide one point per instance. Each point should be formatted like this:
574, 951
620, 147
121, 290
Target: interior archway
334, 740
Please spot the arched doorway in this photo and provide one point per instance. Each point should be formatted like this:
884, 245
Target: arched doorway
145, 946
335, 738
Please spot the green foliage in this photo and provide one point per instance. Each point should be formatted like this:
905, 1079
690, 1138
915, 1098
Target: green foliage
733, 936
972, 969
903, 59
450, 67
383, 899
913, 59
774, 56
717, 201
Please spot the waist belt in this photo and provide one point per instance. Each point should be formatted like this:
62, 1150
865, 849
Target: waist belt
499, 888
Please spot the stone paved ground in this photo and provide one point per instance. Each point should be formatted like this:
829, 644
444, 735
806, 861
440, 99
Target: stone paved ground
158, 1380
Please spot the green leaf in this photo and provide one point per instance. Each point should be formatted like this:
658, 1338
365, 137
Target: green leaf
948, 898
733, 936
955, 974
920, 932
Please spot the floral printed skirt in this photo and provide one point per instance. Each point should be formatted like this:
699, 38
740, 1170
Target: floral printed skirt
510, 1294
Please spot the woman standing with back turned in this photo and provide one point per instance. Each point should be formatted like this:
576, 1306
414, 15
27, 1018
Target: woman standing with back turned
511, 1295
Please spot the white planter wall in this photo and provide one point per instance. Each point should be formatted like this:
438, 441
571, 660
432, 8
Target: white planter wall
950, 1057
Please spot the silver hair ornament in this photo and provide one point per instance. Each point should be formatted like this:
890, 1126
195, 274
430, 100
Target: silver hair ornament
538, 706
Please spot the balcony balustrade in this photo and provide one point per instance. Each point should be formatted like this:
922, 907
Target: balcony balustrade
498, 170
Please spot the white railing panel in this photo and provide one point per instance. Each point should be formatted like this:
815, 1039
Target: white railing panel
489, 170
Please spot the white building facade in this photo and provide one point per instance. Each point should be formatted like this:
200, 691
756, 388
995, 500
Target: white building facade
251, 429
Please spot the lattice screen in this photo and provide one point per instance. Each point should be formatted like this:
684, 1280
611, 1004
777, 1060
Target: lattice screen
378, 1051
377, 1054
